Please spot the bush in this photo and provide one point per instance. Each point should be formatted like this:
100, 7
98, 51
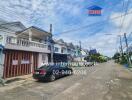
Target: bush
123, 60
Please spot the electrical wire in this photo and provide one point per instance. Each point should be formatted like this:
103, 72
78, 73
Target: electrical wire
127, 6
89, 25
122, 16
83, 27
126, 10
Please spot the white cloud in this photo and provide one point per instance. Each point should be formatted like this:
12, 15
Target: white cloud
36, 4
41, 13
126, 26
105, 44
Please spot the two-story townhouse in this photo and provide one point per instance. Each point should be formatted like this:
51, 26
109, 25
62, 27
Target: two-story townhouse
24, 48
5, 29
60, 51
71, 51
64, 52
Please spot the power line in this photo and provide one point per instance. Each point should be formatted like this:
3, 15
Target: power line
121, 46
86, 26
99, 24
122, 16
62, 32
127, 5
83, 27
126, 10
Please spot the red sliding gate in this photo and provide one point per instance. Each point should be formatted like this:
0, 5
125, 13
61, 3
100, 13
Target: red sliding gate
18, 63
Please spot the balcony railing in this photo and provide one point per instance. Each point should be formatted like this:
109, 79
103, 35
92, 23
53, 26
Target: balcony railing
25, 43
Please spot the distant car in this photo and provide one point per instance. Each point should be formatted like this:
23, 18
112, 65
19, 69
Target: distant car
51, 72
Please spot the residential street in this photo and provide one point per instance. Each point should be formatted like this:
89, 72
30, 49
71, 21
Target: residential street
65, 50
107, 81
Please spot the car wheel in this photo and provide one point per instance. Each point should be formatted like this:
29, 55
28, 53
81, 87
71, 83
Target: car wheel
52, 78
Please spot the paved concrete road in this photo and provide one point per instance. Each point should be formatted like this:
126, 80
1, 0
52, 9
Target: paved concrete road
107, 81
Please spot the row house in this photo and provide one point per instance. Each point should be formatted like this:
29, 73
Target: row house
60, 51
23, 49
65, 52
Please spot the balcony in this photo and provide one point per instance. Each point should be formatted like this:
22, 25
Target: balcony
26, 45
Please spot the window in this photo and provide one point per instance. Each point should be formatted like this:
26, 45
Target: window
56, 49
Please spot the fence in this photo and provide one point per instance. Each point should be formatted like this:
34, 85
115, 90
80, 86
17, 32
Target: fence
26, 43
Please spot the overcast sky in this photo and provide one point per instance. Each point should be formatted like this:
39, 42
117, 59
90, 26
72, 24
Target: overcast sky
66, 15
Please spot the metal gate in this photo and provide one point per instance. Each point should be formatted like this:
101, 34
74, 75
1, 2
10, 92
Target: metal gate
35, 60
19, 63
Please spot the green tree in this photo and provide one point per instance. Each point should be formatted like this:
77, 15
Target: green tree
96, 58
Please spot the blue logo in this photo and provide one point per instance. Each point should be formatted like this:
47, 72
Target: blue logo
94, 11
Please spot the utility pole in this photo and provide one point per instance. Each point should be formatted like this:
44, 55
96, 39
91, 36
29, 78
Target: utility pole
80, 47
127, 52
52, 45
80, 44
121, 46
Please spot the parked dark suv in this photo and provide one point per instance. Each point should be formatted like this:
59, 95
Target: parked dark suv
51, 72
